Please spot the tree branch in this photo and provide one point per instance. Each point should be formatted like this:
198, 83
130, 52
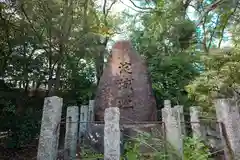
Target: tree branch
110, 7
213, 32
133, 8
104, 7
187, 3
204, 36
208, 9
143, 8
224, 26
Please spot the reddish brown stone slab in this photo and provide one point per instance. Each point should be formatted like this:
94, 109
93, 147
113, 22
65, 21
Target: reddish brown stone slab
125, 83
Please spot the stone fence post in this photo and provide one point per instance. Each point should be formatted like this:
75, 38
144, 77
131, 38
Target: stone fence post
172, 120
71, 134
112, 134
91, 111
83, 120
197, 128
50, 127
227, 111
180, 114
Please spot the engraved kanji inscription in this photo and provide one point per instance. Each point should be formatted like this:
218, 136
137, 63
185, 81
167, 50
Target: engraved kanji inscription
125, 102
125, 67
124, 83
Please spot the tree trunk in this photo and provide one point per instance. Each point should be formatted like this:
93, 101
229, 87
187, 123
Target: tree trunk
99, 65
99, 62
58, 78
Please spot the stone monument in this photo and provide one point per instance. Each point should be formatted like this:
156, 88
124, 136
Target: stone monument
125, 84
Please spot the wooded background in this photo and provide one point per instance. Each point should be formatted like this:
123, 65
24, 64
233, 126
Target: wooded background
59, 47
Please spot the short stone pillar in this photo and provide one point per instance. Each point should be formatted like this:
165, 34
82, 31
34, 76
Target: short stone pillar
227, 111
83, 120
112, 134
180, 113
71, 135
91, 111
197, 128
50, 127
173, 129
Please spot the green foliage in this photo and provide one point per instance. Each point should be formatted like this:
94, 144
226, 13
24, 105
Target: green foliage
195, 149
52, 45
169, 76
133, 146
87, 154
164, 41
23, 128
132, 150
220, 78
78, 71
60, 45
